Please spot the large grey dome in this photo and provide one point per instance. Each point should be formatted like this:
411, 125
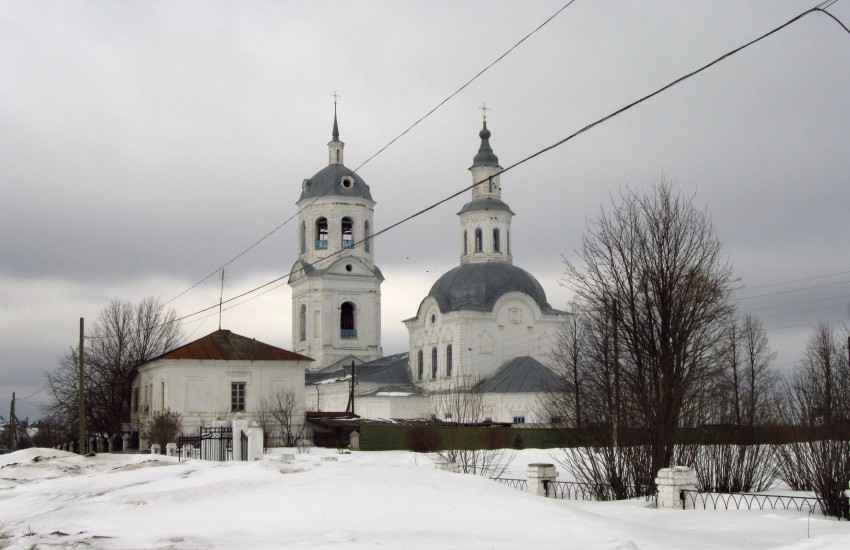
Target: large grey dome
477, 287
335, 179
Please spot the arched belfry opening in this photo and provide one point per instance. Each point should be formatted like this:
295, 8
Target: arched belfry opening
347, 327
322, 233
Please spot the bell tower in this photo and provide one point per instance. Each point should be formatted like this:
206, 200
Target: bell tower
336, 287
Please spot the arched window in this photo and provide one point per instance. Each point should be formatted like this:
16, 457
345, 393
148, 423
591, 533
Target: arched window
321, 234
449, 360
347, 233
302, 323
465, 249
433, 363
496, 240
347, 328
303, 237
509, 242
420, 367
367, 233
479, 245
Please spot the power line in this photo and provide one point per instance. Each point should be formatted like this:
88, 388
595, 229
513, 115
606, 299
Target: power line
803, 280
791, 291
381, 150
819, 8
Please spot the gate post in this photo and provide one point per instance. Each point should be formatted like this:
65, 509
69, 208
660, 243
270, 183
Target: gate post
255, 442
538, 477
671, 482
239, 425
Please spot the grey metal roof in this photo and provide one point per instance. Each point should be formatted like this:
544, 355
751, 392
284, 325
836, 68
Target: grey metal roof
521, 375
485, 156
477, 287
486, 204
392, 369
328, 181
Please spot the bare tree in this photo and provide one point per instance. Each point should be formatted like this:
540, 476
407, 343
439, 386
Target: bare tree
750, 385
651, 273
281, 412
162, 428
819, 457
124, 336
568, 360
462, 402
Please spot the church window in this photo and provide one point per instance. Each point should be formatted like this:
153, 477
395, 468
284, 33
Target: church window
302, 323
465, 249
237, 396
478, 240
347, 233
496, 240
347, 329
303, 237
367, 234
347, 181
509, 242
433, 363
420, 365
449, 360
321, 234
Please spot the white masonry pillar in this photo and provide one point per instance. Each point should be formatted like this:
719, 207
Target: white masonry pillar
255, 442
670, 483
538, 475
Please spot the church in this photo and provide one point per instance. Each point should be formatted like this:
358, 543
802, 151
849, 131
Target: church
485, 326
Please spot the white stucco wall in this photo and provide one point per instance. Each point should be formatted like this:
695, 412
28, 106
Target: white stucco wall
200, 390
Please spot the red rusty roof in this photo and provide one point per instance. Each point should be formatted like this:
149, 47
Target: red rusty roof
224, 345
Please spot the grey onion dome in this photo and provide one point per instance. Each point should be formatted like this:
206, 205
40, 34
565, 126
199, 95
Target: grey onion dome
478, 286
335, 179
485, 156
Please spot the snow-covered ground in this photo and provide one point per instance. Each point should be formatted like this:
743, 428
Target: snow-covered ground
51, 498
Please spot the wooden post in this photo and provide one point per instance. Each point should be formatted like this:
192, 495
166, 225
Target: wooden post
13, 440
81, 395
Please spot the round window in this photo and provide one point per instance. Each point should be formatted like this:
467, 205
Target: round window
348, 267
433, 318
347, 182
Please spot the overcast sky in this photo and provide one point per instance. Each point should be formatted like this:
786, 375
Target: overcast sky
145, 144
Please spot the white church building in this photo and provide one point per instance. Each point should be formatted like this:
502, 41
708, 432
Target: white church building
485, 326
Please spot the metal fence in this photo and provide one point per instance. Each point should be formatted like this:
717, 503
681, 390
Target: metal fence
211, 443
747, 501
572, 490
515, 483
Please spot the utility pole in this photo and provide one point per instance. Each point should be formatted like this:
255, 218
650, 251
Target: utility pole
13, 440
350, 406
81, 395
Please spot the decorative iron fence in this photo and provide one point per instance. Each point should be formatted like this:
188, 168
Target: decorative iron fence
572, 490
520, 484
211, 443
748, 501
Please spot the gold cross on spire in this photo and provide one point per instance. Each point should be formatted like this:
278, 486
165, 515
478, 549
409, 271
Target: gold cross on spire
335, 96
484, 108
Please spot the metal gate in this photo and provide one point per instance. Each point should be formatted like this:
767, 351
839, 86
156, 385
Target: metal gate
211, 443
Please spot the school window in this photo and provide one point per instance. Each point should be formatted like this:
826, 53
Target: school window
519, 419
237, 396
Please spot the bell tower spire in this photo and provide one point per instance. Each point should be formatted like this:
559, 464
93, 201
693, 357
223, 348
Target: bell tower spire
335, 146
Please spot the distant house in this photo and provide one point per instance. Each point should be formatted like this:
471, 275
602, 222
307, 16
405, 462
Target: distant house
218, 376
